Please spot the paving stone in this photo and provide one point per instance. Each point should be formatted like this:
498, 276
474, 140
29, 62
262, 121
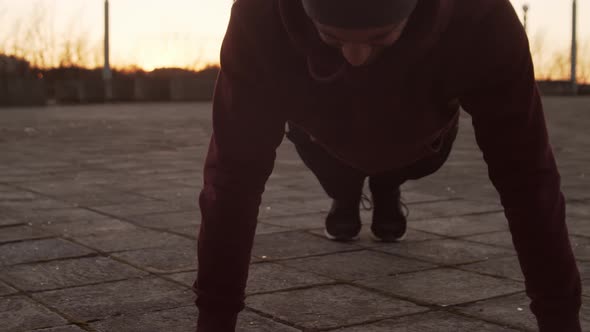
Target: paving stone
357, 265
9, 221
169, 220
307, 221
183, 320
366, 239
578, 191
251, 322
581, 210
39, 203
103, 198
131, 240
412, 235
268, 277
39, 250
463, 226
127, 297
581, 248
278, 193
174, 195
138, 209
4, 211
17, 195
60, 188
262, 228
290, 207
579, 226
330, 306
501, 239
69, 328
92, 177
19, 233
507, 267
514, 310
4, 188
133, 185
295, 244
61, 216
429, 322
446, 251
185, 278
584, 268
86, 227
6, 290
67, 273
451, 209
15, 179
124, 165
189, 231
19, 313
413, 197
444, 286
51, 165
177, 178
169, 259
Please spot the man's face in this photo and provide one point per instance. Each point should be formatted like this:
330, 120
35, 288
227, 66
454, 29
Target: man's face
360, 46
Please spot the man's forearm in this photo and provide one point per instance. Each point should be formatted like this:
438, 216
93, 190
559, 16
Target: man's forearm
540, 235
225, 244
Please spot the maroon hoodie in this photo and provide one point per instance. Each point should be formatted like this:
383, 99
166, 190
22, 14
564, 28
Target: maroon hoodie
274, 68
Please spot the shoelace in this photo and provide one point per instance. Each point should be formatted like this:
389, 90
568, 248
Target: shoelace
406, 209
366, 202
368, 205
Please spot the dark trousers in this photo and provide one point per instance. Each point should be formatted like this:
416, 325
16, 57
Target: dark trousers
344, 183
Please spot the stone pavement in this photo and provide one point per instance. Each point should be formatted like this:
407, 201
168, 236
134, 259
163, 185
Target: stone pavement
98, 220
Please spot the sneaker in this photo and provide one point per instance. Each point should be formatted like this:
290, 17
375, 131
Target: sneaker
343, 222
389, 219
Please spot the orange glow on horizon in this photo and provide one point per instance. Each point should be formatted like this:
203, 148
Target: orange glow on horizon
188, 33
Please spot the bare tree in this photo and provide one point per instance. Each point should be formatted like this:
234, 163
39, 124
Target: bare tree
197, 63
66, 56
96, 54
537, 45
81, 51
36, 37
584, 58
3, 38
556, 66
559, 67
192, 49
74, 49
36, 40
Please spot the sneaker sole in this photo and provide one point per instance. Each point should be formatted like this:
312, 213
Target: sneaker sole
339, 239
378, 239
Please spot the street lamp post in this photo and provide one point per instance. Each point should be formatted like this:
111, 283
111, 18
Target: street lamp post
525, 9
574, 59
107, 74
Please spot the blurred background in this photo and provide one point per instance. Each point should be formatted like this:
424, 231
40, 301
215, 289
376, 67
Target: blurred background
168, 50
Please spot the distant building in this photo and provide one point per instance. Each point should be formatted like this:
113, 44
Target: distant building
11, 66
18, 84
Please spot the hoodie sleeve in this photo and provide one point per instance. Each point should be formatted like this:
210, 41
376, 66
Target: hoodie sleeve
511, 131
247, 129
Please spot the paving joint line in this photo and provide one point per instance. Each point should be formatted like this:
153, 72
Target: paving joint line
28, 295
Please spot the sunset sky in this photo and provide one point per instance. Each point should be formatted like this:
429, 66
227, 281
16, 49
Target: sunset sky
153, 33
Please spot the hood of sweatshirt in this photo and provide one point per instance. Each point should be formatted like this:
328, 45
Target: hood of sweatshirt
425, 27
